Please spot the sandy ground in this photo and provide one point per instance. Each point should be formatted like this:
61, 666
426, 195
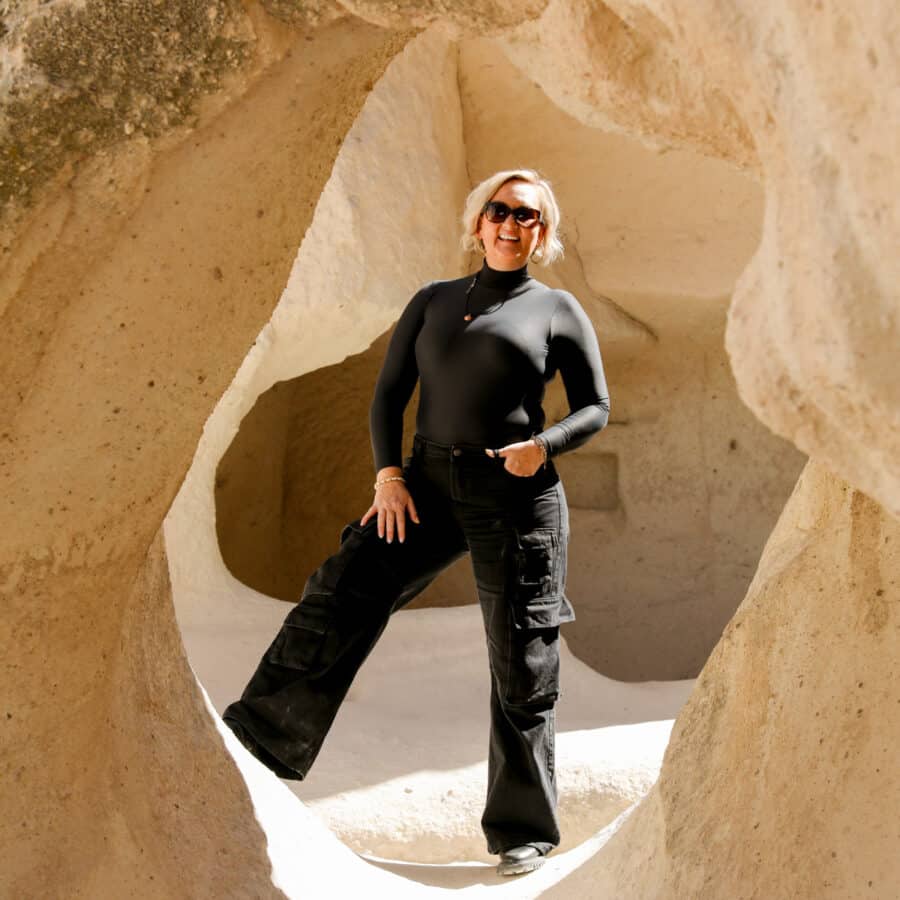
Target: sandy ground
401, 776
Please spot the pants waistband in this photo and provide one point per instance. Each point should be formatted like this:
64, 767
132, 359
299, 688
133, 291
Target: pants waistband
422, 445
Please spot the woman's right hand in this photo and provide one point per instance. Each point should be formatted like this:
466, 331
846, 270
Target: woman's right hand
391, 504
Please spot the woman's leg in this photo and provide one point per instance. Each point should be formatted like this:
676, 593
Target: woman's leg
519, 562
293, 697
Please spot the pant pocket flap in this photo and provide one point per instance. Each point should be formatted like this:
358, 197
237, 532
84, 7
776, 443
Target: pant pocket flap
353, 530
537, 570
299, 642
543, 613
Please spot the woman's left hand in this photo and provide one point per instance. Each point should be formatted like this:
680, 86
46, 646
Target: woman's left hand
523, 458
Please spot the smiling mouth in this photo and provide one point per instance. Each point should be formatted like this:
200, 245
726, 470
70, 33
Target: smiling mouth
503, 237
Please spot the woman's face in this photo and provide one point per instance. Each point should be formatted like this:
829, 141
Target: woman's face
507, 244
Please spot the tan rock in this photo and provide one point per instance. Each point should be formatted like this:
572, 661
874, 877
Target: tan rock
670, 506
456, 18
812, 95
404, 777
149, 231
129, 301
780, 778
620, 66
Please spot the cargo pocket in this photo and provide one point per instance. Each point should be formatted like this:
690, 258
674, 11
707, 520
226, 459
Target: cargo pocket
533, 666
352, 532
536, 601
306, 641
538, 583
367, 576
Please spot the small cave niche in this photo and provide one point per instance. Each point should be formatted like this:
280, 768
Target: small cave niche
591, 481
299, 468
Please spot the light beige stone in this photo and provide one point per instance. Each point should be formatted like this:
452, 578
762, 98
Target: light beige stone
367, 250
402, 775
671, 505
807, 97
455, 17
620, 66
135, 253
780, 778
129, 300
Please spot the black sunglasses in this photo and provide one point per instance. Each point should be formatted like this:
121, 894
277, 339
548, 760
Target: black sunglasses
496, 212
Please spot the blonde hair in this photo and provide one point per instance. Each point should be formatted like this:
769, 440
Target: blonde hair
551, 247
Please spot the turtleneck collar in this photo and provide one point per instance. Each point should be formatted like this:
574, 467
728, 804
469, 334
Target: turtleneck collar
501, 281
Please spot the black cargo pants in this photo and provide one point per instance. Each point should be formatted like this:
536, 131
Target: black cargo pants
516, 530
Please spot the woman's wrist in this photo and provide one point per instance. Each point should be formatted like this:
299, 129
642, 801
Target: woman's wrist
388, 475
542, 446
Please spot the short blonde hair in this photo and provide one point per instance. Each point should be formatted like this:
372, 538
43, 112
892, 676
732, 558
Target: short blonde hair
551, 247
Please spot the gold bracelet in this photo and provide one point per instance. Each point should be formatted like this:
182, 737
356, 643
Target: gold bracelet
382, 481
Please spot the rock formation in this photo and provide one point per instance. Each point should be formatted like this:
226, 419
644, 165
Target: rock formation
670, 506
783, 750
162, 163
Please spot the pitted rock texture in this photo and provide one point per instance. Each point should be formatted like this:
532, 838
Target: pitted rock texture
814, 321
454, 16
135, 281
128, 303
82, 77
625, 68
780, 777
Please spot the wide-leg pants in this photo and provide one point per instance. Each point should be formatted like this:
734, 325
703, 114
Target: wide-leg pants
516, 531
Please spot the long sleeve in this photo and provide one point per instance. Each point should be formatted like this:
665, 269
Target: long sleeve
396, 382
576, 354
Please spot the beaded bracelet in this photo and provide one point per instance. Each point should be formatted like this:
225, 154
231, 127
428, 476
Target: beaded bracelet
382, 481
542, 444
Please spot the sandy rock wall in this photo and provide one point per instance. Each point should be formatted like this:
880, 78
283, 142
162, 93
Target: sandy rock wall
780, 780
137, 272
813, 91
80, 78
364, 255
129, 298
628, 68
672, 504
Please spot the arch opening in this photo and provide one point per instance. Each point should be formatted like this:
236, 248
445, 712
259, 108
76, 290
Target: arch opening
288, 463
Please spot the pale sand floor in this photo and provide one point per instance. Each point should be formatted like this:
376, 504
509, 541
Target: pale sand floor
401, 776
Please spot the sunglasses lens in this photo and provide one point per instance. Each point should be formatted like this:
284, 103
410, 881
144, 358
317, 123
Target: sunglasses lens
496, 212
525, 216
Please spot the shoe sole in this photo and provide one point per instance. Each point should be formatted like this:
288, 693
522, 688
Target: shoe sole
529, 865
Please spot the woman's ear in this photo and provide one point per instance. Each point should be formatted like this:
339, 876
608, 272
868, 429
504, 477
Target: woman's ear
477, 233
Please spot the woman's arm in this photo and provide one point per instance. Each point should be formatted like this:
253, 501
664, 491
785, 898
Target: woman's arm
575, 352
395, 384
396, 381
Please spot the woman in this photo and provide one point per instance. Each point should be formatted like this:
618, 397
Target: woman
480, 480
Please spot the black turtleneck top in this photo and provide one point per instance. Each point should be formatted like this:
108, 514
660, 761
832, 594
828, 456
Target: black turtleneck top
483, 381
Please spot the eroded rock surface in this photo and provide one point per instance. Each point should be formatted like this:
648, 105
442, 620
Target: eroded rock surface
128, 302
137, 272
781, 775
813, 324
